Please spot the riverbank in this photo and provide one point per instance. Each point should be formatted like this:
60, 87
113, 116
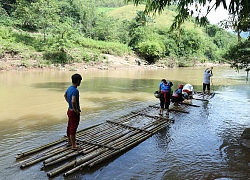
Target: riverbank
15, 63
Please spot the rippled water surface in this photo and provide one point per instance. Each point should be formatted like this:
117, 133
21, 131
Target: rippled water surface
200, 145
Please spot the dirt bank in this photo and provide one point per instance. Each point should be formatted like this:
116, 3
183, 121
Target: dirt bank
10, 62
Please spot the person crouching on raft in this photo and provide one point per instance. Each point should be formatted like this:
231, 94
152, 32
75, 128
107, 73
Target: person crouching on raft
165, 91
177, 95
188, 91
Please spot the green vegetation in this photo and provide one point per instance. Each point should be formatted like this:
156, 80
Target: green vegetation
239, 21
66, 31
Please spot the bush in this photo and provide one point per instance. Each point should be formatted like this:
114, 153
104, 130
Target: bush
56, 56
151, 50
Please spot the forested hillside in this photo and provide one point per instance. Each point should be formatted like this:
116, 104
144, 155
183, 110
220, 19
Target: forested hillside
65, 31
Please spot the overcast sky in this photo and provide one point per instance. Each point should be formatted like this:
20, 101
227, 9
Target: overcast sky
215, 16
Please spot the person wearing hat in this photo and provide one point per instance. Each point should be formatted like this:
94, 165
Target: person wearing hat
188, 91
177, 95
165, 94
206, 80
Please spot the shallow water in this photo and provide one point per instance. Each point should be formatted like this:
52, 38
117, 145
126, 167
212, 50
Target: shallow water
200, 145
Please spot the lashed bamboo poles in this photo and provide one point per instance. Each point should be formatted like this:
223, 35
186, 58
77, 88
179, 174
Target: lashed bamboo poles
46, 146
61, 159
65, 167
134, 141
29, 152
130, 143
108, 137
62, 168
46, 155
77, 168
29, 163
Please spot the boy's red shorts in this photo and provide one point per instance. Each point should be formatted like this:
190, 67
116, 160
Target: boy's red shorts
73, 122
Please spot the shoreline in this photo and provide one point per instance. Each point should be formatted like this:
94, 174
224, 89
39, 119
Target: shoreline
112, 62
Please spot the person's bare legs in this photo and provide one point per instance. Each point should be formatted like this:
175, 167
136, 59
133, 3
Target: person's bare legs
167, 111
69, 141
73, 141
161, 111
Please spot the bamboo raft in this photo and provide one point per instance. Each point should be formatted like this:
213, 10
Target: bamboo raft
98, 143
206, 97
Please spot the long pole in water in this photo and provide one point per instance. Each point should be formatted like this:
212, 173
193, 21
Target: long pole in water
212, 84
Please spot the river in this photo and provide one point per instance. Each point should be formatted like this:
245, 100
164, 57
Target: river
200, 145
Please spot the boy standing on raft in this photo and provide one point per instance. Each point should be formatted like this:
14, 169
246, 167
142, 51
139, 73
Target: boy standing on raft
72, 98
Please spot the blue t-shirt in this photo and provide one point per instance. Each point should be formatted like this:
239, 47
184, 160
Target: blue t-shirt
179, 92
73, 91
165, 87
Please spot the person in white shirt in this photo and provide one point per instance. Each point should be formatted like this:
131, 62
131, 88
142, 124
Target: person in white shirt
208, 73
188, 91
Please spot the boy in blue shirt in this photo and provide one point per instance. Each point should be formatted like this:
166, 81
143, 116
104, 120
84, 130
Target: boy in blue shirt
72, 98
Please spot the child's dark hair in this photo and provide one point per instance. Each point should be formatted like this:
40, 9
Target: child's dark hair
75, 78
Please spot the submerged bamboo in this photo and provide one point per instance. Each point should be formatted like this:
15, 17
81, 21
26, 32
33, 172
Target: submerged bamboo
63, 158
60, 169
190, 104
34, 161
32, 151
177, 110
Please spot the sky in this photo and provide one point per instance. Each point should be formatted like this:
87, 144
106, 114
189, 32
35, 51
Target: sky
215, 15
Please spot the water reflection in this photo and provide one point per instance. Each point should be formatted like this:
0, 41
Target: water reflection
200, 145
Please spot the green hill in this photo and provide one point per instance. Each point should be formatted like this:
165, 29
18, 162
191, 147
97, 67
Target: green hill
77, 31
160, 21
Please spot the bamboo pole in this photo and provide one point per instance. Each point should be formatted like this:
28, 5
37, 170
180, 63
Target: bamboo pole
127, 126
177, 110
90, 156
63, 158
199, 99
32, 151
118, 152
56, 157
40, 159
107, 133
190, 104
99, 131
60, 169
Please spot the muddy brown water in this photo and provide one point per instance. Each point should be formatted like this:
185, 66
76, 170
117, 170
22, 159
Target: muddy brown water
200, 145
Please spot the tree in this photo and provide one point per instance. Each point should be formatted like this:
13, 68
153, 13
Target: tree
239, 55
7, 5
237, 8
45, 13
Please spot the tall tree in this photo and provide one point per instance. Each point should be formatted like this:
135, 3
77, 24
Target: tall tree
238, 8
45, 12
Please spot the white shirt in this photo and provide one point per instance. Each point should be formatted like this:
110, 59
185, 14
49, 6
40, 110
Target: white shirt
206, 79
